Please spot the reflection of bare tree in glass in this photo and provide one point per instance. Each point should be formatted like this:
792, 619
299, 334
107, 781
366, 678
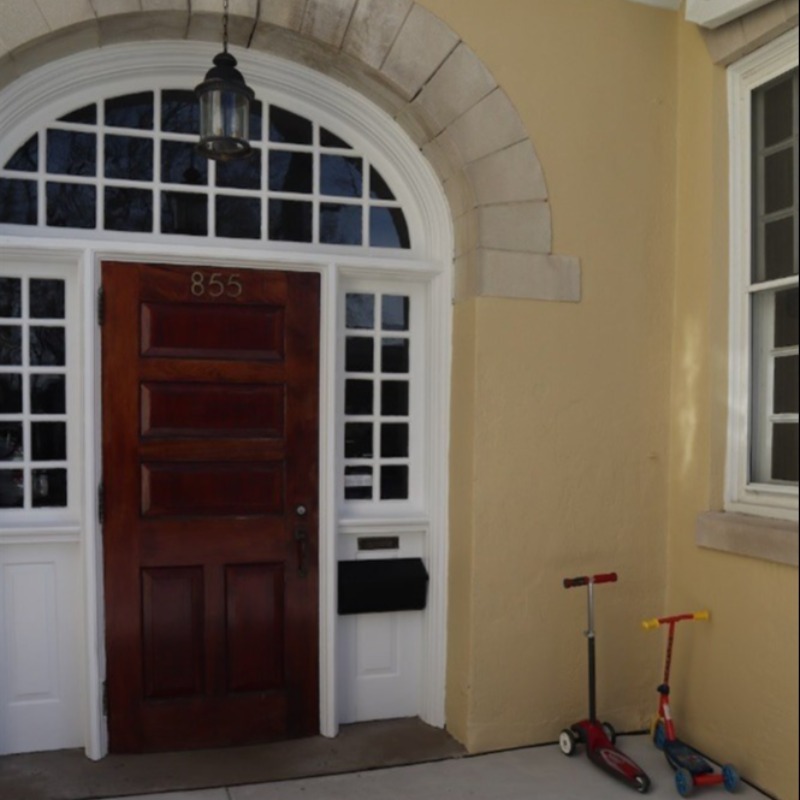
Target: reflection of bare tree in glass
71, 205
47, 346
10, 344
26, 158
17, 202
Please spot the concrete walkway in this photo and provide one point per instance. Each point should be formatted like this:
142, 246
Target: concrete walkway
537, 773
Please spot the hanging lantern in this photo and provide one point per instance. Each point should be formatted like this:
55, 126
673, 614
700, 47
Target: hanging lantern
224, 107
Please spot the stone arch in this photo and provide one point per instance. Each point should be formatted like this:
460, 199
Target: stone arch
401, 57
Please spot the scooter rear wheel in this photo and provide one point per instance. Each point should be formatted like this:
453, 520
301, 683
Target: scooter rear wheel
642, 783
730, 778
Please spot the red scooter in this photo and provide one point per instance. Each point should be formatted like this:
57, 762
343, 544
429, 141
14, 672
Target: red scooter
691, 768
599, 737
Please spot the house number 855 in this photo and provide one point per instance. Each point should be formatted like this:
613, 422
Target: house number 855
216, 285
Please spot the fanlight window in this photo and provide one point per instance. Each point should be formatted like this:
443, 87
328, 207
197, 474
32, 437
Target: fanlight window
129, 164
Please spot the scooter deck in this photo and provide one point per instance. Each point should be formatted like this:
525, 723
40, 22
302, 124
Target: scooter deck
681, 756
603, 754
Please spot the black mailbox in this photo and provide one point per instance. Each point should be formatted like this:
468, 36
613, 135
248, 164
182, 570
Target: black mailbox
391, 584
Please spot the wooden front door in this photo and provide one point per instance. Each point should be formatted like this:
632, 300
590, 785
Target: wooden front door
210, 441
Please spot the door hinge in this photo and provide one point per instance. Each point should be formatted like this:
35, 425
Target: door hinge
101, 502
101, 305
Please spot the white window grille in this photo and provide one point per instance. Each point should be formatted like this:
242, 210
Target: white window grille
763, 428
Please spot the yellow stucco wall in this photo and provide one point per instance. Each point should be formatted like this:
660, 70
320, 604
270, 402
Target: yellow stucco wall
735, 680
599, 427
568, 454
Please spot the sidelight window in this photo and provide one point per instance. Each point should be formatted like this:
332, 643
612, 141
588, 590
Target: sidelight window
34, 398
383, 371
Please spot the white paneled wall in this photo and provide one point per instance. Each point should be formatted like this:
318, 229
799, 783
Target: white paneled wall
40, 676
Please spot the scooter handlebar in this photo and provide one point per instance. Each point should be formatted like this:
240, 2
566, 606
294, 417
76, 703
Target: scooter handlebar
652, 624
583, 580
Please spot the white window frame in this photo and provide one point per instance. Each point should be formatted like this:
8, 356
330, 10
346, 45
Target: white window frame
53, 523
741, 494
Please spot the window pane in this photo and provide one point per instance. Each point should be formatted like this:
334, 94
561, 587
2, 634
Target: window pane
180, 112
239, 217
778, 112
778, 181
339, 224
12, 493
290, 172
358, 397
49, 488
184, 212
778, 249
128, 209
378, 188
47, 346
10, 297
289, 221
49, 441
18, 202
359, 354
10, 344
129, 158
394, 440
341, 176
287, 127
786, 318
360, 314
71, 153
785, 452
358, 440
130, 111
10, 393
242, 173
388, 228
47, 299
71, 205
394, 398
395, 355
48, 394
86, 115
180, 164
26, 159
328, 139
786, 376
394, 315
394, 483
11, 443
358, 483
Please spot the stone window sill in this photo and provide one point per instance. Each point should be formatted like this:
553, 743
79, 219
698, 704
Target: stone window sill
773, 540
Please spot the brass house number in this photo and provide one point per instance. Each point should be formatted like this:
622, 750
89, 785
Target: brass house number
215, 285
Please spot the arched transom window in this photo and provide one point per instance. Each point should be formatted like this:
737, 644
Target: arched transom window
129, 164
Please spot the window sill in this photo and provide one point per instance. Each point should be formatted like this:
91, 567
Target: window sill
773, 540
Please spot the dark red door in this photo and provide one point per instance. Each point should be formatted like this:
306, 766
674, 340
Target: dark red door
210, 440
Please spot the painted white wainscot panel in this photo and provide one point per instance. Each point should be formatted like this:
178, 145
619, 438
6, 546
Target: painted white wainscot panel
40, 679
380, 655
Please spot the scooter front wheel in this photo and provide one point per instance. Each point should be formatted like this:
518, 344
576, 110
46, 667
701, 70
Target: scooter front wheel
659, 735
684, 782
567, 742
608, 730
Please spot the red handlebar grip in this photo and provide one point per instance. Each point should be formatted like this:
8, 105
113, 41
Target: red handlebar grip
605, 577
608, 577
